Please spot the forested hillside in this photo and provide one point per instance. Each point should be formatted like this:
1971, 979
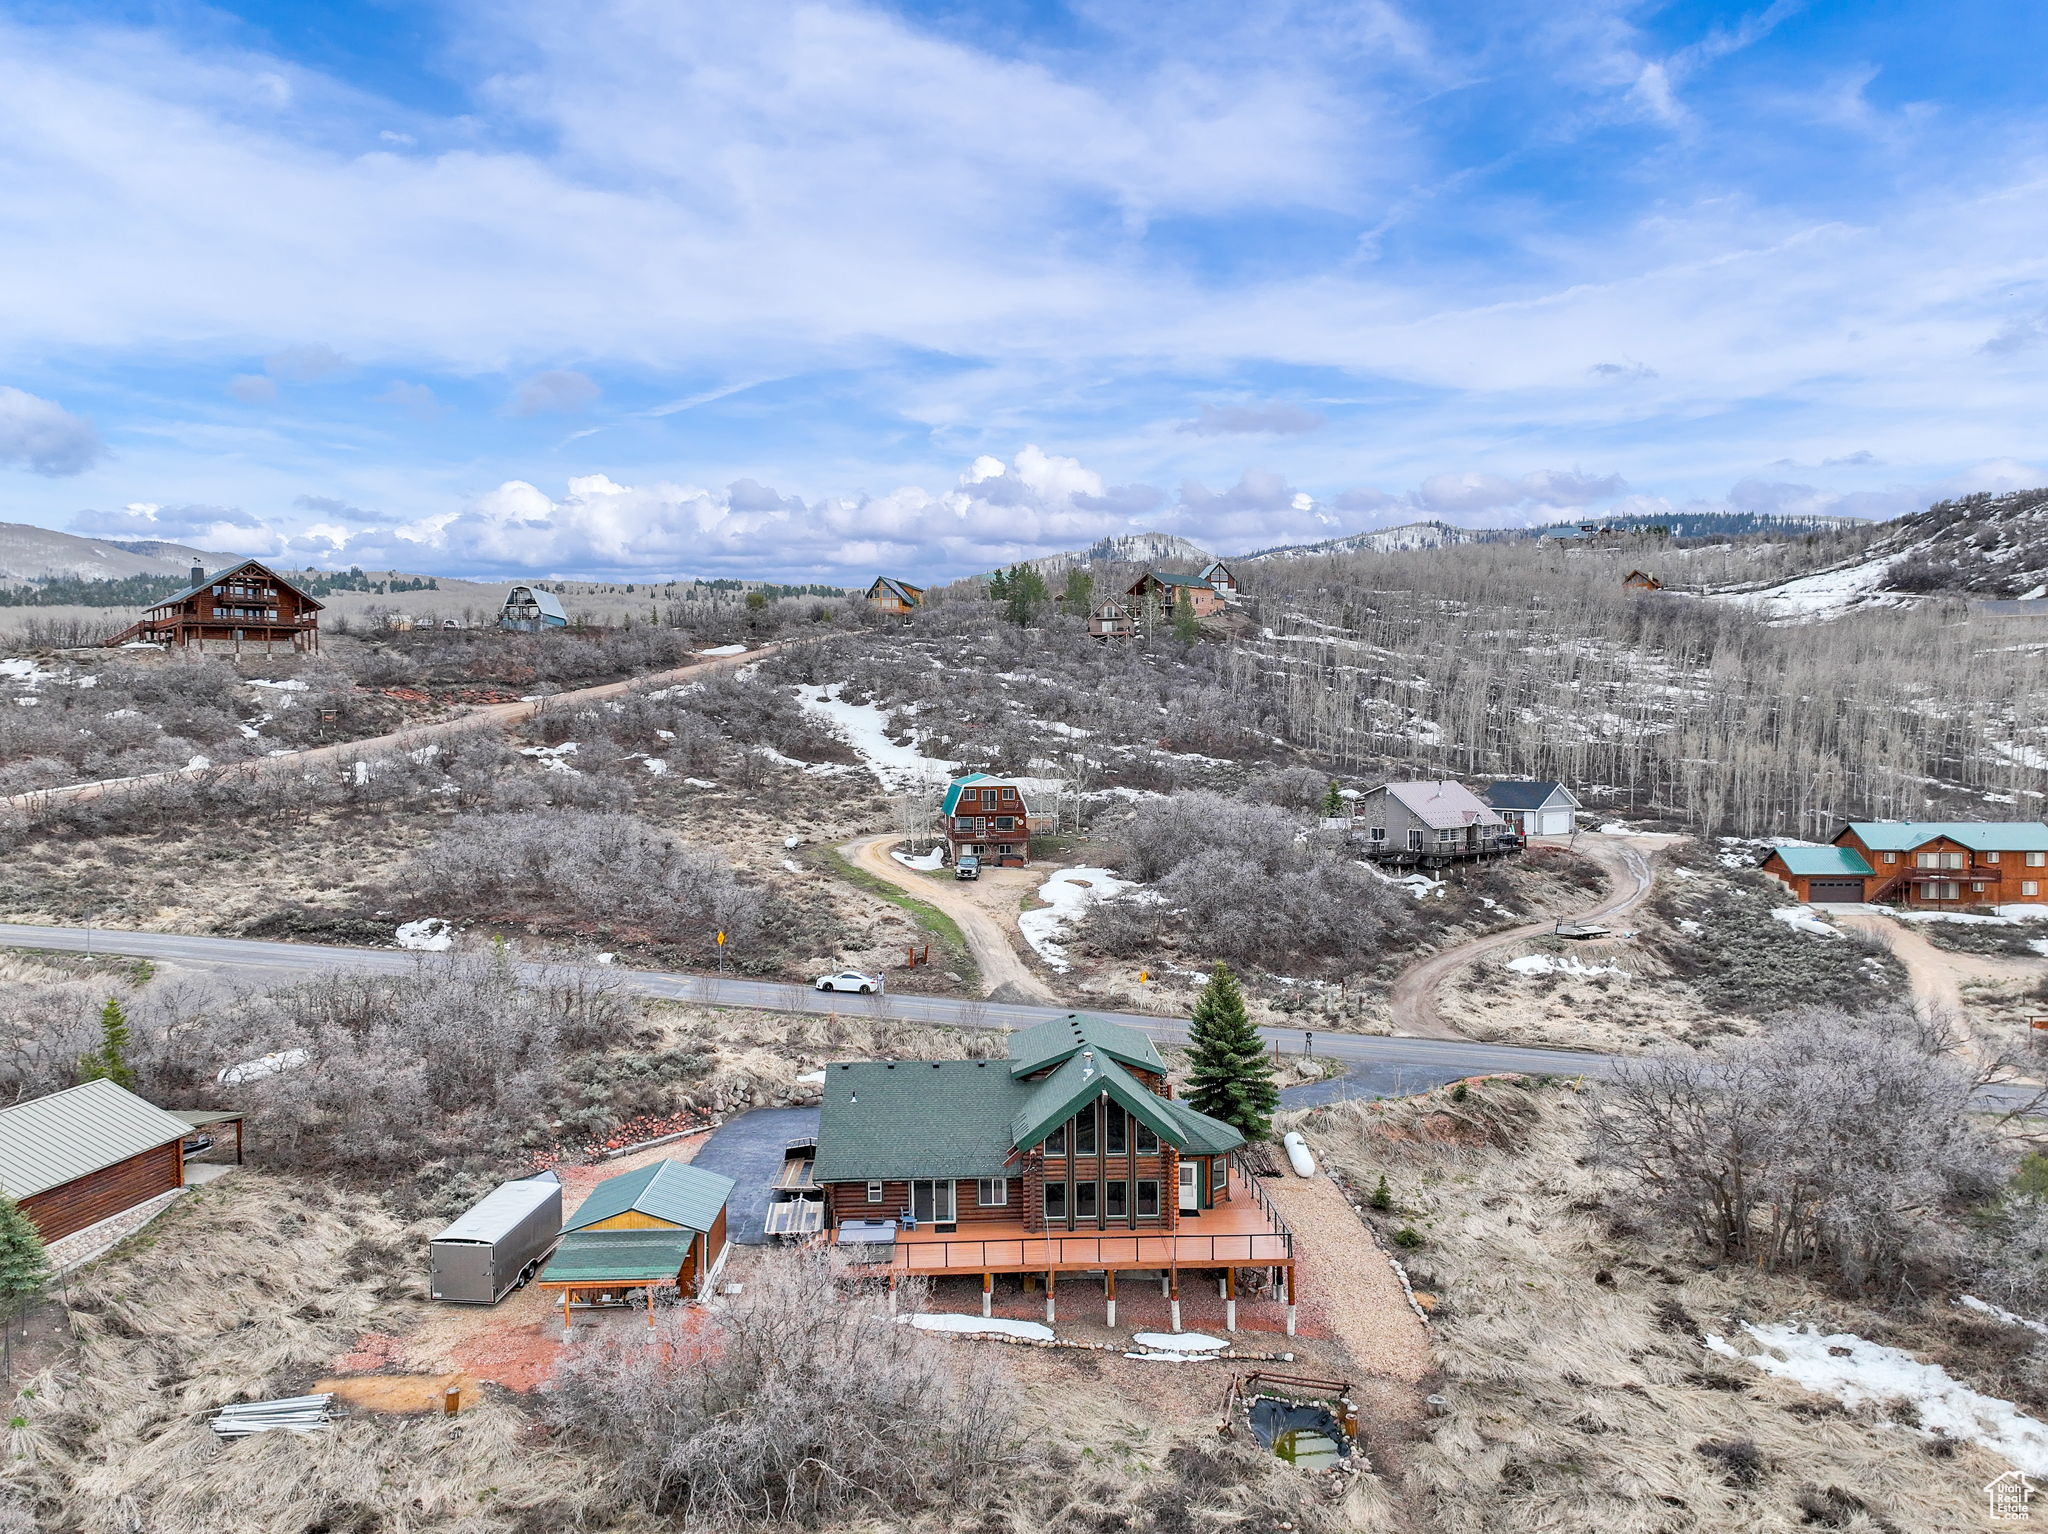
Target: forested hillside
1984, 545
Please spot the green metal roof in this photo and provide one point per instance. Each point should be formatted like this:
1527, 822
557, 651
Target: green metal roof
49, 1141
1199, 1134
1977, 835
1032, 1050
1079, 1082
977, 780
1165, 579
675, 1191
619, 1257
919, 1118
1824, 860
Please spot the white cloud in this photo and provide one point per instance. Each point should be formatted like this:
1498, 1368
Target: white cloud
1248, 420
210, 527
559, 391
43, 437
253, 388
416, 400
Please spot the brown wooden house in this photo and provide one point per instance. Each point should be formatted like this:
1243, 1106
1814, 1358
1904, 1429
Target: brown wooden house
1111, 620
1170, 593
658, 1227
1070, 1156
242, 607
989, 817
85, 1154
899, 599
1927, 864
1642, 580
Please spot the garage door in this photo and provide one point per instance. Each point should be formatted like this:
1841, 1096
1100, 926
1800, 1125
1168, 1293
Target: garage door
1554, 822
1823, 891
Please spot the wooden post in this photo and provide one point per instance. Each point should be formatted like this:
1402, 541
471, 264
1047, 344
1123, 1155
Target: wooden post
1173, 1297
1230, 1299
1109, 1295
451, 1399
1287, 1273
567, 1296
988, 1285
1049, 1312
892, 1294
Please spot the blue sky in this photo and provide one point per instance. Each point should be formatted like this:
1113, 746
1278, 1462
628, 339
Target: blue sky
646, 287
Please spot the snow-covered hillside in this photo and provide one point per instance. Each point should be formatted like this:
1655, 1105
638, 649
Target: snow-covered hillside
1981, 545
1126, 549
1382, 540
31, 553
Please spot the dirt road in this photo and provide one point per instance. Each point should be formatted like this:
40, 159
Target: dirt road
1936, 974
487, 715
978, 905
1627, 858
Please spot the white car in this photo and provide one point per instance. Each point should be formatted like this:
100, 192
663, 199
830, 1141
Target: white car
850, 980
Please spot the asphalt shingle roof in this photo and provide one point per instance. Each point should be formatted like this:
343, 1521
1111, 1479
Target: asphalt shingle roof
1442, 805
1822, 861
916, 1118
1521, 795
619, 1257
684, 1195
1977, 835
1032, 1050
49, 1141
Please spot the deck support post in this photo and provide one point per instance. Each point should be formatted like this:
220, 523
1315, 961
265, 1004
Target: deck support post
892, 1294
568, 1297
1049, 1311
1230, 1299
1173, 1297
988, 1284
1287, 1277
1109, 1295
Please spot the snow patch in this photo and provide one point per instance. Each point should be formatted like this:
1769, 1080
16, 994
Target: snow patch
1858, 1373
264, 1065
290, 684
1801, 920
430, 934
1179, 1342
1814, 598
1547, 964
550, 757
924, 862
199, 764
865, 728
1037, 1331
725, 649
1068, 893
1985, 1307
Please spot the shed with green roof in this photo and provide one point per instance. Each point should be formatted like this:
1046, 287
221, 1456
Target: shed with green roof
655, 1227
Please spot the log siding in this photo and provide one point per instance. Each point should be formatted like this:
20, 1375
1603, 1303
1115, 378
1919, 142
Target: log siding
69, 1207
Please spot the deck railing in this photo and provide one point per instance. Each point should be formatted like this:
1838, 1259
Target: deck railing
1125, 1249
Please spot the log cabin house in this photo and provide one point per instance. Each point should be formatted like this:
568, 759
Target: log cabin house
1642, 580
1925, 864
1070, 1156
248, 604
989, 817
897, 599
658, 1227
90, 1152
1167, 592
1429, 824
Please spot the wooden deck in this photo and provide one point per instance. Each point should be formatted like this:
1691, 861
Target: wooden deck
1242, 1233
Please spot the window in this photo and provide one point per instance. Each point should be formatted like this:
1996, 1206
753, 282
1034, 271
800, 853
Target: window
1976, 889
1055, 1201
1006, 822
1115, 1138
1376, 834
1147, 1141
1943, 889
2030, 886
988, 796
1219, 1175
1056, 1142
931, 1201
991, 1193
1084, 1132
1891, 857
1148, 1199
1991, 857
1009, 793
2037, 859
1450, 834
1116, 1200
1927, 859
874, 1193
1084, 1200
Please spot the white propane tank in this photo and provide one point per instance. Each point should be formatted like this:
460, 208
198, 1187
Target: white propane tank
1298, 1154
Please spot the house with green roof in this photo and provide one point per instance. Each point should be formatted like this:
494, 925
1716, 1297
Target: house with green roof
1927, 864
1077, 1130
1167, 591
657, 1227
988, 817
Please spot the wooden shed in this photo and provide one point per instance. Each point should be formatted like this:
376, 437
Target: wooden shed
658, 1227
85, 1154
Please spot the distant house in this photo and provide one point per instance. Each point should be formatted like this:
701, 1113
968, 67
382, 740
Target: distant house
1923, 863
989, 817
248, 604
1532, 807
1642, 580
899, 599
530, 609
1217, 574
1071, 1157
1111, 620
1171, 592
1429, 823
85, 1154
660, 1227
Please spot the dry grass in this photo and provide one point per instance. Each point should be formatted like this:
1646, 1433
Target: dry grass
1578, 1395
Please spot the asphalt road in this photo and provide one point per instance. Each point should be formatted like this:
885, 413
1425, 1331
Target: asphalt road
1377, 1066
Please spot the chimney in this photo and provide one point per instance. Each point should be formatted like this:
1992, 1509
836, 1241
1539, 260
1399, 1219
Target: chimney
198, 574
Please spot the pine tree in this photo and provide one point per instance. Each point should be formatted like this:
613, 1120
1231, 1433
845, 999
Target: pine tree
1186, 627
1229, 1076
998, 587
24, 1270
110, 1061
1080, 593
1333, 802
1027, 594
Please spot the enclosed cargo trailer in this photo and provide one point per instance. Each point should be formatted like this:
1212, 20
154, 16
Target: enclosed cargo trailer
498, 1244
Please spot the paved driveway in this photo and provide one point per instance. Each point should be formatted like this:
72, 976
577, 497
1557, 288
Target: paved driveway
749, 1151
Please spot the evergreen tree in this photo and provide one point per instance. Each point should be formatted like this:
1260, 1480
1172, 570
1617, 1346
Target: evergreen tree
998, 587
1080, 593
110, 1061
1333, 801
1185, 626
24, 1270
1027, 594
1229, 1076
